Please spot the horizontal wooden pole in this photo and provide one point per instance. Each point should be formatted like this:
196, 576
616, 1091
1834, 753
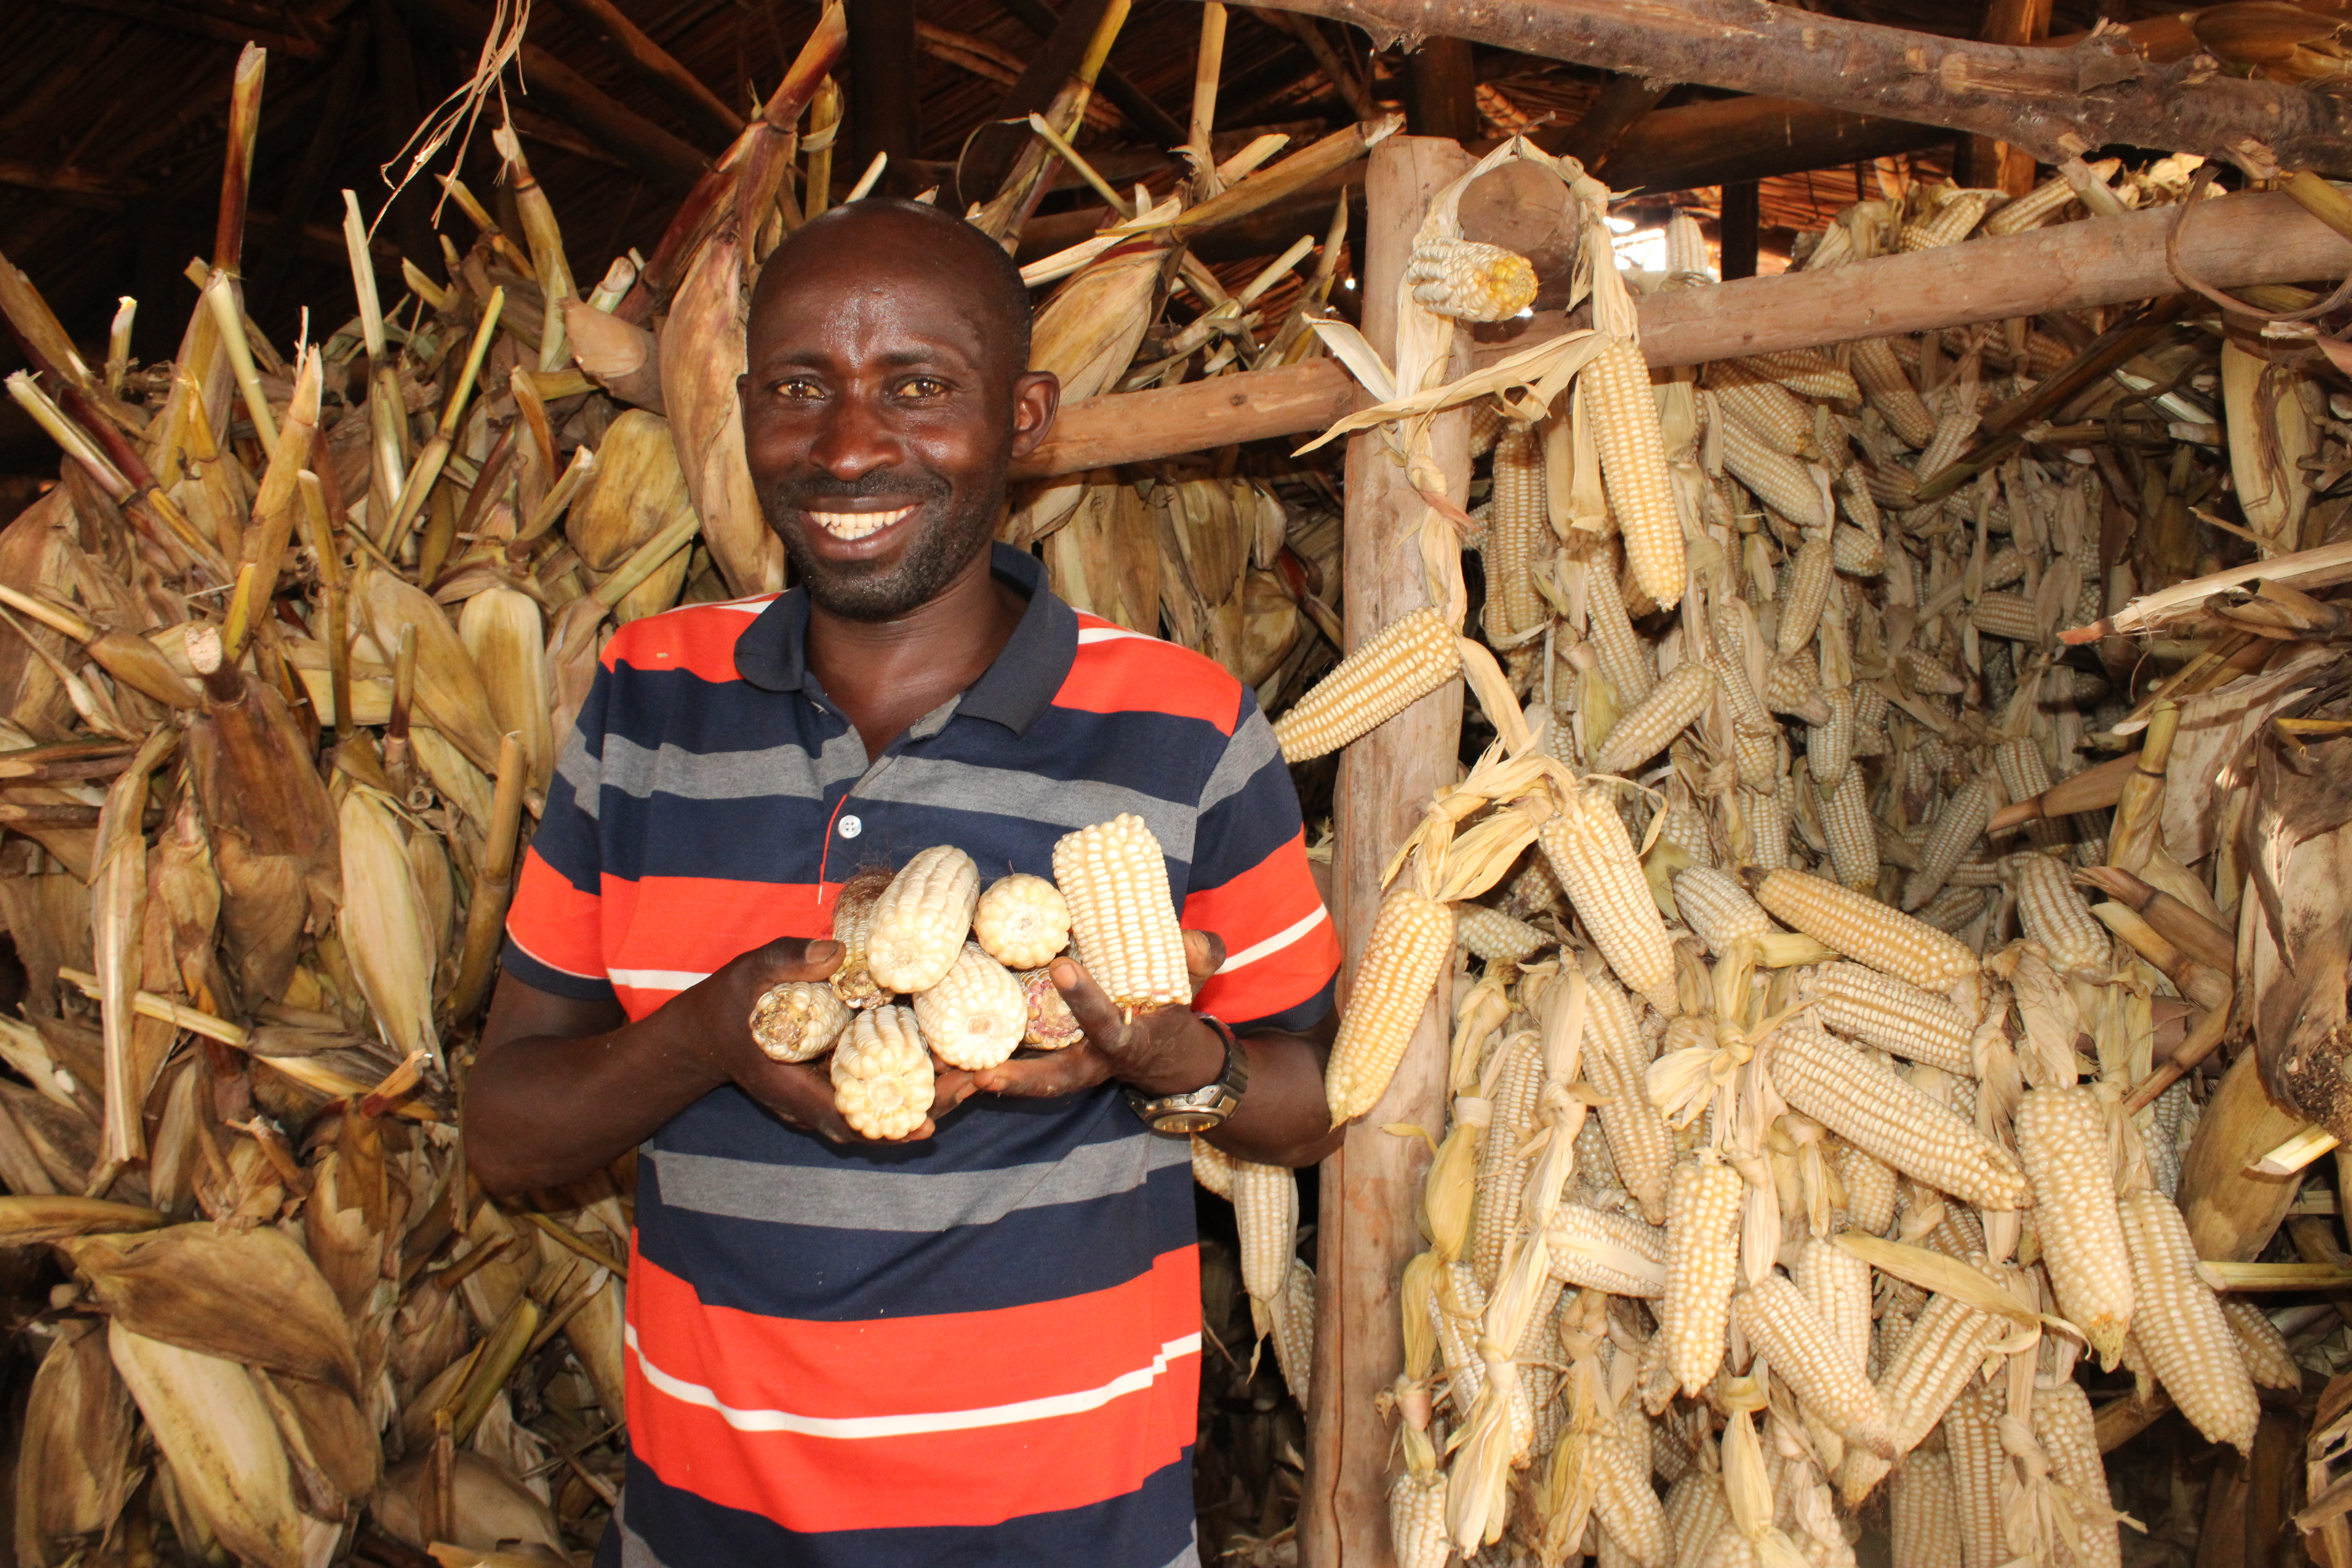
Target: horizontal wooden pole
1728, 140
2231, 242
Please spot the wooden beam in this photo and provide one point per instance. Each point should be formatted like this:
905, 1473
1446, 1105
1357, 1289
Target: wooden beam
2232, 242
667, 163
1992, 163
1722, 140
74, 186
1742, 214
1365, 1231
885, 106
1622, 104
704, 111
223, 23
1441, 90
1150, 120
2051, 103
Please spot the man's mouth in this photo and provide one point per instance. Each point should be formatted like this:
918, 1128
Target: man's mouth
854, 525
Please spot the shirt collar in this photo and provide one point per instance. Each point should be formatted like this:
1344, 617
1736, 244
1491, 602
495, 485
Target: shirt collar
1014, 691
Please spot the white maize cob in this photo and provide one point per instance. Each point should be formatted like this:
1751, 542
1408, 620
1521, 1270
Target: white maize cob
882, 1074
1265, 1213
1767, 828
1695, 1510
1978, 1468
1022, 921
1922, 1376
1866, 1103
1780, 481
1702, 1202
1412, 939
798, 1021
975, 1016
1889, 390
1815, 1362
2030, 209
2053, 912
1586, 845
1633, 466
1623, 657
1808, 372
2065, 1426
922, 919
1891, 1015
1858, 552
2061, 1136
1654, 722
1049, 1026
1502, 1160
1837, 1283
1925, 1513
1122, 917
1959, 825
1863, 929
2011, 617
1599, 1250
1844, 813
1793, 685
2270, 1361
1718, 909
1213, 1167
852, 917
1495, 936
1294, 1331
1417, 1509
1627, 1505
1519, 517
2023, 776
2179, 1326
1950, 223
1616, 1061
1810, 578
1470, 281
1870, 1189
1397, 666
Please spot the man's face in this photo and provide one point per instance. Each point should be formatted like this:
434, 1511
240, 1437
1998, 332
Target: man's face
880, 414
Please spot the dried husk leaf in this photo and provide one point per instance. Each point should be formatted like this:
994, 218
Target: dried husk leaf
227, 1463
385, 926
73, 1463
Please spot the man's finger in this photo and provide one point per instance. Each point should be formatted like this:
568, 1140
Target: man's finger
950, 1087
798, 958
1086, 1001
1043, 1078
1205, 954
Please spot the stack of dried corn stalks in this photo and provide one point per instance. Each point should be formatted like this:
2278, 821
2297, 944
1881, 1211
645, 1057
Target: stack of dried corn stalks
1862, 957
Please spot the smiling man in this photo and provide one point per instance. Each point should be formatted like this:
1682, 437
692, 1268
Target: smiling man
980, 1344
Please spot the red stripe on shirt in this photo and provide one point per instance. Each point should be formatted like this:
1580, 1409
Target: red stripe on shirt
554, 921
1144, 674
694, 923
699, 640
1268, 898
981, 1476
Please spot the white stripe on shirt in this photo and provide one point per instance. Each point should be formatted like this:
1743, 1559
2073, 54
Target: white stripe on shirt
1274, 944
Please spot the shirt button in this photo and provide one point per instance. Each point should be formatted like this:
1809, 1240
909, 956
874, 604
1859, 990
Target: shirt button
851, 827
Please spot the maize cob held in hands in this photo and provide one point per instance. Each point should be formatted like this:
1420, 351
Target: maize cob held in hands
975, 1016
1122, 915
882, 1074
920, 920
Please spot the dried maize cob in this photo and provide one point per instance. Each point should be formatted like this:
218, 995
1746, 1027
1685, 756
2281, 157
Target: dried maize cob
1951, 438
1623, 658
1860, 504
2064, 1426
922, 919
1456, 1308
1793, 685
1950, 223
1780, 481
1953, 908
974, 1017
2054, 914
1923, 1374
1294, 1331
1816, 1363
1865, 929
852, 919
1681, 826
1718, 909
1889, 390
1858, 552
1807, 372
1763, 406
1403, 662
1517, 521
1469, 280
2180, 1325
1585, 845
1625, 1502
1695, 1510
1616, 1061
1413, 938
882, 1074
1809, 576
798, 1021
2061, 1136
1959, 825
1978, 1468
1633, 465
1122, 917
1502, 1160
1869, 1183
1652, 723
1891, 1015
1495, 936
1925, 1513
1845, 819
2040, 201
1838, 1284
2023, 776
1486, 419
1926, 673
1417, 1508
1022, 921
2270, 1361
1702, 1202
2010, 615
1265, 1213
1050, 1025
1599, 1250
1213, 1167
1866, 1103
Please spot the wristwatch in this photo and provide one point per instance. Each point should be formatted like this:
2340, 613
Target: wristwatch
1181, 1115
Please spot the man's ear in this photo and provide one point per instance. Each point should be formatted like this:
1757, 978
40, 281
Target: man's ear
1036, 401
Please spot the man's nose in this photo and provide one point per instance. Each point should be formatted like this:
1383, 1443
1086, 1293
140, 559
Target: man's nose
855, 439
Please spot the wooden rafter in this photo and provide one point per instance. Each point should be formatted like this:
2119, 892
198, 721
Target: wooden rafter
2052, 102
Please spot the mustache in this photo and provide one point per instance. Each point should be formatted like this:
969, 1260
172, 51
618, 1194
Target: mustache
807, 492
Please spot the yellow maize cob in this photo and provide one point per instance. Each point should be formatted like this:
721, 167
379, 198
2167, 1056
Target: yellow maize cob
1616, 1061
1762, 405
1652, 723
1122, 916
882, 1074
2061, 1136
1412, 939
1808, 591
1599, 1250
2179, 1326
1265, 1213
1891, 1015
1950, 223
2064, 1426
1213, 1167
1925, 1513
1805, 1353
2023, 776
798, 1021
2030, 209
2054, 914
1022, 921
2010, 615
1978, 1468
1807, 372
1866, 1103
1495, 936
1623, 658
1779, 480
1402, 663
1470, 281
1865, 929
1633, 466
852, 919
1587, 847
1702, 1203
1050, 1025
1294, 1331
1502, 1160
2270, 1361
975, 1016
1870, 1189
1844, 814
1957, 827
1519, 517
1889, 390
920, 920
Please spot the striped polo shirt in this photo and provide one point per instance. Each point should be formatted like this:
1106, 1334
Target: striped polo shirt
983, 1348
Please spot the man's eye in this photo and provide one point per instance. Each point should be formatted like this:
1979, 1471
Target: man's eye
798, 388
924, 386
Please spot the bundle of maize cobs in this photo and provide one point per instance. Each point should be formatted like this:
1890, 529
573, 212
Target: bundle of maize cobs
932, 966
1807, 1140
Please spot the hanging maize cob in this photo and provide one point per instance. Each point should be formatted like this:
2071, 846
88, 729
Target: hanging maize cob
2054, 914
2064, 1426
1495, 936
1779, 480
1623, 658
1869, 1184
1980, 1468
1810, 579
1652, 724
2270, 1360
1402, 663
1616, 396
1702, 1202
918, 924
1502, 1159
1865, 929
1844, 813
2061, 1137
1957, 827
1586, 847
1294, 1331
1022, 921
1213, 1167
1616, 1061
1865, 1102
1817, 1363
1937, 1358
1412, 939
1924, 1510
1517, 521
1266, 1211
1417, 1507
2178, 1324
1470, 281
1891, 1015
1889, 390
1122, 917
1599, 1250
1951, 222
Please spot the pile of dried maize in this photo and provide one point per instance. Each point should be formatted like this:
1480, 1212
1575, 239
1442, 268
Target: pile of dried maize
1807, 1141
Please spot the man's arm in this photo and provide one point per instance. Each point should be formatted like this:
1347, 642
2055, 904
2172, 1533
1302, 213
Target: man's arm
563, 1087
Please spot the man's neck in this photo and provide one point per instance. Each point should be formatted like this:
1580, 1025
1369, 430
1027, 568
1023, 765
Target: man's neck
885, 675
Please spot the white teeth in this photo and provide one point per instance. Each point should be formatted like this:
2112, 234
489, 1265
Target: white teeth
858, 524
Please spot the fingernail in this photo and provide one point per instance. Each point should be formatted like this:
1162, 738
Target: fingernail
819, 951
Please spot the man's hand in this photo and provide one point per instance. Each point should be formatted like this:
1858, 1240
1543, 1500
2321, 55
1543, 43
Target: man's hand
1164, 1050
798, 1093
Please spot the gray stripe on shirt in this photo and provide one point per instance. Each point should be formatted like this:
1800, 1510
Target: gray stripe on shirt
767, 773
915, 780
1251, 747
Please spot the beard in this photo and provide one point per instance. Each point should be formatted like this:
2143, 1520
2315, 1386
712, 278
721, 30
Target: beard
883, 590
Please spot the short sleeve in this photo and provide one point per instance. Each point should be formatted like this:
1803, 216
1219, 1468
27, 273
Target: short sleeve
1251, 886
555, 926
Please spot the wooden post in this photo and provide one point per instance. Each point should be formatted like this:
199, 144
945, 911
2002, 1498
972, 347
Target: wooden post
1743, 214
1366, 1230
1441, 90
1991, 163
885, 106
